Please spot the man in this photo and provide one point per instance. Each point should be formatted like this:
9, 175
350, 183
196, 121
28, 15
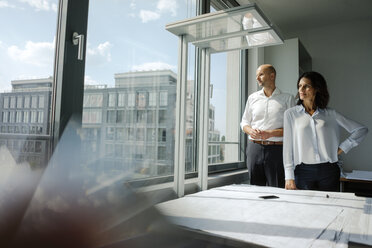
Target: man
263, 122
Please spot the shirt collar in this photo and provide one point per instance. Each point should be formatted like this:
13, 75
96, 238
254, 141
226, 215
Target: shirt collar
275, 92
300, 108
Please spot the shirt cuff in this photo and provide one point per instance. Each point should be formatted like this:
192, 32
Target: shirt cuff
289, 173
346, 146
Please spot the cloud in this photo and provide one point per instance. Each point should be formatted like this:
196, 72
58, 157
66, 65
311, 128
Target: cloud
151, 66
41, 5
147, 15
34, 53
162, 7
168, 6
88, 80
100, 54
5, 4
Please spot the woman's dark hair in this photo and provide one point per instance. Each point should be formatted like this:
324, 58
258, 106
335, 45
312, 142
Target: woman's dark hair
320, 86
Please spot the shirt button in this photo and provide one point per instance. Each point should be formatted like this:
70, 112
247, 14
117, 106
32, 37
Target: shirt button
317, 157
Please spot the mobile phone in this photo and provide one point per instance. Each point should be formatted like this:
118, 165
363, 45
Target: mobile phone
269, 196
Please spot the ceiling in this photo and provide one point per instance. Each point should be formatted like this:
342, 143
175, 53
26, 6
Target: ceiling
291, 16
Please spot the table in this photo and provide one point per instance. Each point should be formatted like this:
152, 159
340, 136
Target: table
358, 182
295, 219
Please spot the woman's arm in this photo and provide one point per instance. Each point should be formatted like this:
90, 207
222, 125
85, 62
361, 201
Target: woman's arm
357, 133
288, 161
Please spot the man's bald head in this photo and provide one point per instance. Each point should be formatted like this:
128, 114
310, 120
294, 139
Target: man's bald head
268, 69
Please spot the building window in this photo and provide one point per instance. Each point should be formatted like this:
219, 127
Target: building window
18, 116
112, 99
110, 133
141, 100
92, 116
93, 100
27, 102
41, 101
33, 101
162, 153
162, 117
151, 135
121, 100
25, 117
140, 134
141, 116
33, 116
152, 99
19, 102
111, 116
162, 135
40, 117
120, 134
5, 117
11, 117
131, 100
151, 116
12, 102
120, 116
163, 98
6, 103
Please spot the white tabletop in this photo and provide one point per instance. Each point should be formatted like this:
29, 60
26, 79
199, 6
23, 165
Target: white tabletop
295, 219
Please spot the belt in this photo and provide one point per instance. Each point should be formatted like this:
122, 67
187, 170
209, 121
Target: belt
267, 142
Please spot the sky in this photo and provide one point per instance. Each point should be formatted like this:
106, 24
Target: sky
123, 35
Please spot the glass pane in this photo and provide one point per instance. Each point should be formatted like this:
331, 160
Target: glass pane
224, 108
27, 45
133, 67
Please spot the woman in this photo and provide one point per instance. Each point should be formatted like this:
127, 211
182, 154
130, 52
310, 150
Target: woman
311, 140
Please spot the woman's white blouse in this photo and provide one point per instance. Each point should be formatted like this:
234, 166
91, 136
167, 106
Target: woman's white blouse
316, 139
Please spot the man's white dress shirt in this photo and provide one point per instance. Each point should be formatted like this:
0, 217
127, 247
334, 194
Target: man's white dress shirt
315, 139
266, 113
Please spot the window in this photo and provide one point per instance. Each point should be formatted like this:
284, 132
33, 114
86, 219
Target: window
141, 100
19, 102
93, 100
163, 98
111, 116
6, 102
40, 117
162, 135
162, 117
120, 134
27, 102
41, 101
11, 117
33, 101
141, 116
112, 99
152, 99
26, 117
223, 134
5, 117
131, 100
33, 116
12, 102
121, 100
91, 116
19, 116
110, 133
151, 135
142, 73
120, 116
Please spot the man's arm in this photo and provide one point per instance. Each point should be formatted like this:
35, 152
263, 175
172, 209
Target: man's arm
265, 134
254, 133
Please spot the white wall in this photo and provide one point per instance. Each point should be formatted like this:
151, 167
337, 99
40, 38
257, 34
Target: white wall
285, 59
343, 54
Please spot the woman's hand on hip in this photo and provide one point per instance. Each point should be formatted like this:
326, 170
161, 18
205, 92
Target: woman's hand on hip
290, 184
